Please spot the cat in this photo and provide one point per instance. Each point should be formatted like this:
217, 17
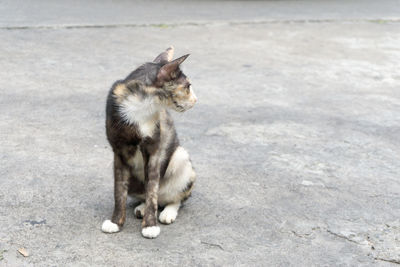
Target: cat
149, 163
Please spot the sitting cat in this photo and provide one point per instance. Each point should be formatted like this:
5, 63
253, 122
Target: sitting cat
149, 163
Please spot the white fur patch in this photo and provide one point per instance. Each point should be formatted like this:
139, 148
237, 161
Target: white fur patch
148, 127
168, 215
137, 163
140, 209
151, 231
109, 227
179, 159
193, 97
178, 174
142, 112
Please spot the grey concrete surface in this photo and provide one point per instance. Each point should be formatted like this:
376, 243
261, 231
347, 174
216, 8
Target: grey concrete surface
75, 13
295, 139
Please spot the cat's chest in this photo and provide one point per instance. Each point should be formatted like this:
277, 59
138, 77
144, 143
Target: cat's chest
142, 114
148, 127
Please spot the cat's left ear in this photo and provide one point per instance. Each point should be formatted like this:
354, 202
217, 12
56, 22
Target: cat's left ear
165, 56
166, 71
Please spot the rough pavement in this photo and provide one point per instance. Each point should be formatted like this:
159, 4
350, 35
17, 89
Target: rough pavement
295, 140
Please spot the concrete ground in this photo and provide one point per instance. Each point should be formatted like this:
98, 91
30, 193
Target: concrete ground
295, 137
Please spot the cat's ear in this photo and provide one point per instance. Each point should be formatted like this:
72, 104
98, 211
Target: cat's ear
165, 56
166, 72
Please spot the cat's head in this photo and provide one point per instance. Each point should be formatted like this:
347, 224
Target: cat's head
175, 86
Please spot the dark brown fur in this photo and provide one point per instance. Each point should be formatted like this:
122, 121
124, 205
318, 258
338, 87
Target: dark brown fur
126, 139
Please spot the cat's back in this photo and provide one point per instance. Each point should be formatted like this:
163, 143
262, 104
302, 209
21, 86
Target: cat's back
118, 131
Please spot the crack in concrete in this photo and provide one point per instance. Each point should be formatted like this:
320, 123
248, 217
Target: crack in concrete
370, 244
170, 25
388, 260
343, 237
33, 222
212, 245
300, 235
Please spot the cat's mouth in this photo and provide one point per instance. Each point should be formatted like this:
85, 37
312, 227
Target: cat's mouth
180, 108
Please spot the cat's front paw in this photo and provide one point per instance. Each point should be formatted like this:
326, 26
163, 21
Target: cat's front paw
109, 227
168, 215
139, 210
151, 231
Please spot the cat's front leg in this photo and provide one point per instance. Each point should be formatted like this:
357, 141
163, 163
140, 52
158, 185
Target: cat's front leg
121, 182
152, 179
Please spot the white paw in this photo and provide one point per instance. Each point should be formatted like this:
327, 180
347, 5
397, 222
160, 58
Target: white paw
139, 210
151, 231
109, 227
168, 215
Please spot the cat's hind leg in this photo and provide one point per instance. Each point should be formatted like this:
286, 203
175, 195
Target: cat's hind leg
139, 210
176, 185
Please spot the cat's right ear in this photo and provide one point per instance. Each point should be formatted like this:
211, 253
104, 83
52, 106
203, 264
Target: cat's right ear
165, 56
167, 71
